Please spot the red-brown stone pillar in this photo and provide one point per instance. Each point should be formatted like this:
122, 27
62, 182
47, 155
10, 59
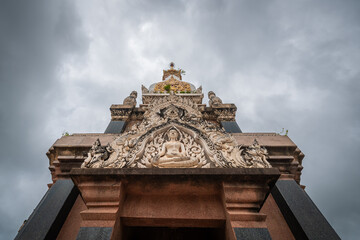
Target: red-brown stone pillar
102, 198
242, 202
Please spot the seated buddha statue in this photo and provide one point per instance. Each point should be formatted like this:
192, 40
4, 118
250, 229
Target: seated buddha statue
173, 153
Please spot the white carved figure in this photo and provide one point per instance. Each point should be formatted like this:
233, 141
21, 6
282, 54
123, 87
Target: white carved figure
213, 99
131, 100
173, 153
97, 155
256, 156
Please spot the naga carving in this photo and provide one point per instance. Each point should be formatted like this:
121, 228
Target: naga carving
173, 134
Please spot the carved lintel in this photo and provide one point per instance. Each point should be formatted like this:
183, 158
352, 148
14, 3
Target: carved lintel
208, 114
137, 114
148, 98
225, 112
121, 112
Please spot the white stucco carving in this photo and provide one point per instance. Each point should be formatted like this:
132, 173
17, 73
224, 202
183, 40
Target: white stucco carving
173, 134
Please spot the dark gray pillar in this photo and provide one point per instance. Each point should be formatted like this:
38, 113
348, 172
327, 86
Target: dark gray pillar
231, 127
50, 214
115, 127
94, 233
303, 217
252, 234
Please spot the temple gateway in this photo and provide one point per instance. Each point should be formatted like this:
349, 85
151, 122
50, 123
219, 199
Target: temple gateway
174, 167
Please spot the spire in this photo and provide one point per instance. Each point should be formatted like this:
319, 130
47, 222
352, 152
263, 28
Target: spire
171, 73
172, 83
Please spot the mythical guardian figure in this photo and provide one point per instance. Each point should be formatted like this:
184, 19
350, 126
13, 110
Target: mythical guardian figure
131, 100
213, 99
97, 155
255, 156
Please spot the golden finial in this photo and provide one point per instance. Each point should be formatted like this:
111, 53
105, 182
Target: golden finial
172, 78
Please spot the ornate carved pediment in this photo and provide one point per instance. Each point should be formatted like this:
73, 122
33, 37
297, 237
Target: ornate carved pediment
173, 134
162, 103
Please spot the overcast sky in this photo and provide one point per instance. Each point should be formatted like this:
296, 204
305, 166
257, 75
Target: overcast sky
285, 64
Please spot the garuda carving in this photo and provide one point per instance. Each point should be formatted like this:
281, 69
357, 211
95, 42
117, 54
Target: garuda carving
173, 134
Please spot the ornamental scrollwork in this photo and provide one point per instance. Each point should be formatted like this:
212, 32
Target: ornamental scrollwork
174, 134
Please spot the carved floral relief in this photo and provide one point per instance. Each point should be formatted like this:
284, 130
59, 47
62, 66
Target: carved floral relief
173, 134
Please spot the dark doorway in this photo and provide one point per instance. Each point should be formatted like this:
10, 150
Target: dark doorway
165, 233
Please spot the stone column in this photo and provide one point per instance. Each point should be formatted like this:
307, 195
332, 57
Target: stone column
242, 203
103, 199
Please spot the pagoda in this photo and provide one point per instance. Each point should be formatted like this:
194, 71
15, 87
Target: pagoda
174, 167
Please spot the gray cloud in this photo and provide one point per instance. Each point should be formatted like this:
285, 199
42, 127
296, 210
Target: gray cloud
35, 37
290, 65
